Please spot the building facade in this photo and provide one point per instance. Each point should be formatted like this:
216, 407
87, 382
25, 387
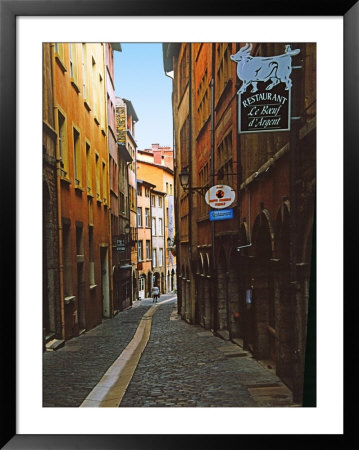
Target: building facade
246, 278
126, 119
161, 173
79, 94
144, 245
53, 320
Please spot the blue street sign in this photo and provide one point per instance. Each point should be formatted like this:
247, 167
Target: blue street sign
221, 214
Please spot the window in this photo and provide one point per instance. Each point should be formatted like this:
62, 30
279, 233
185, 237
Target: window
122, 204
203, 181
148, 249
184, 76
159, 201
104, 182
97, 162
88, 168
160, 257
160, 226
139, 189
84, 75
91, 257
133, 198
139, 251
153, 200
203, 96
147, 192
79, 240
77, 158
67, 260
94, 90
154, 226
73, 66
224, 160
185, 142
59, 55
147, 217
171, 191
154, 257
102, 103
139, 217
224, 67
166, 188
64, 158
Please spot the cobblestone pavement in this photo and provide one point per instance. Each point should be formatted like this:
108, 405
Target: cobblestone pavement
182, 365
70, 373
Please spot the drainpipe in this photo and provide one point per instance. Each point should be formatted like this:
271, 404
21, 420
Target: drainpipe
129, 247
58, 187
150, 291
190, 200
213, 227
174, 187
164, 241
108, 190
297, 94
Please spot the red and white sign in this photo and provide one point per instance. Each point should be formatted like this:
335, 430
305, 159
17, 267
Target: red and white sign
220, 196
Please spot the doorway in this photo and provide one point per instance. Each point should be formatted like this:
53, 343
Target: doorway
105, 282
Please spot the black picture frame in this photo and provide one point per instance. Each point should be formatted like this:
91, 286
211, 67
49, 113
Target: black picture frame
10, 9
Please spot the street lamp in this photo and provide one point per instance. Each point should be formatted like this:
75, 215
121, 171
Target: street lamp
127, 229
184, 181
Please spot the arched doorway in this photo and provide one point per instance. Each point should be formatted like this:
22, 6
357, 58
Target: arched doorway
169, 287
236, 296
173, 280
262, 281
163, 284
156, 279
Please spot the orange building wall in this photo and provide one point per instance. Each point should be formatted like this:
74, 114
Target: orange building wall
78, 204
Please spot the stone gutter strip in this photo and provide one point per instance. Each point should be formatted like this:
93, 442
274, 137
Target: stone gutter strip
112, 386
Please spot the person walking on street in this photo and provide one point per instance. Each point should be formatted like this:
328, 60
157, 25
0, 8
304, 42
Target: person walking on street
155, 294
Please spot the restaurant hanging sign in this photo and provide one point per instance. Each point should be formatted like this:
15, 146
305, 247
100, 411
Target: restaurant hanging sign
266, 107
220, 196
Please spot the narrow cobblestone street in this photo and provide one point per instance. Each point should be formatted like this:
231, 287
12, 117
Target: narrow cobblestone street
182, 365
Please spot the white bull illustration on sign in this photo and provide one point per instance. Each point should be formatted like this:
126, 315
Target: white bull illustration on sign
251, 69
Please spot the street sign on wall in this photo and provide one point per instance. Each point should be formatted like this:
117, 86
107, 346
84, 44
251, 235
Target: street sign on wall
220, 196
222, 214
120, 245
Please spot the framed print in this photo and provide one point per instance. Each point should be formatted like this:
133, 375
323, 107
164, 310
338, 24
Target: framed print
25, 26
